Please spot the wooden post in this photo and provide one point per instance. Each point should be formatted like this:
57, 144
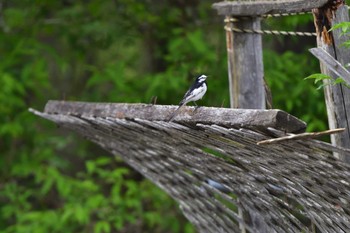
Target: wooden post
337, 96
230, 64
244, 50
245, 65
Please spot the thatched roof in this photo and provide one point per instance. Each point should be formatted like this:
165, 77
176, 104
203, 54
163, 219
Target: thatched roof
208, 160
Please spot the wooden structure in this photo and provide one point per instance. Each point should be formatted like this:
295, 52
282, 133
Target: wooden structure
209, 161
244, 50
337, 96
246, 73
332, 64
245, 65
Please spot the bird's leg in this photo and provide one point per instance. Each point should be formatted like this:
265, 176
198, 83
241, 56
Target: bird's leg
197, 106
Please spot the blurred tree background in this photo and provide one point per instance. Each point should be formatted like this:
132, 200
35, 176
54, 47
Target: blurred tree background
116, 51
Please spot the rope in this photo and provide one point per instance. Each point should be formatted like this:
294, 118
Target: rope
285, 14
269, 32
232, 19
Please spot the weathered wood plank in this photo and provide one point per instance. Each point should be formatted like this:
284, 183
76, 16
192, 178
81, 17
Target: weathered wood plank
255, 8
337, 96
245, 66
189, 115
331, 63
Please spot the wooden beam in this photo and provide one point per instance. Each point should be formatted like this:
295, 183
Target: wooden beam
245, 65
255, 8
331, 63
258, 119
337, 97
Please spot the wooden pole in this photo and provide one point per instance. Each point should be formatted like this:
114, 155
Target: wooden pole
230, 64
337, 97
245, 65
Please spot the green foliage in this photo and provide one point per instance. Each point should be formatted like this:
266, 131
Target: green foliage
325, 79
103, 199
284, 74
318, 77
53, 183
343, 26
345, 31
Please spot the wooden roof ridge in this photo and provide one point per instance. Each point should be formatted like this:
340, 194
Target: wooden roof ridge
227, 117
218, 174
263, 7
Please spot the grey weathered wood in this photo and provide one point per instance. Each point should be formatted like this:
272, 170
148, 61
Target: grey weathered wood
337, 96
331, 63
245, 66
233, 85
209, 115
301, 136
257, 179
255, 8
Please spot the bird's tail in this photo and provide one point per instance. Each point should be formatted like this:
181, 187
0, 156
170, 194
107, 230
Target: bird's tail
176, 112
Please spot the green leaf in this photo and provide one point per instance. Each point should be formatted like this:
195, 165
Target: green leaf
321, 86
81, 214
67, 214
90, 166
318, 77
338, 81
103, 161
344, 26
346, 44
96, 201
64, 187
102, 227
47, 185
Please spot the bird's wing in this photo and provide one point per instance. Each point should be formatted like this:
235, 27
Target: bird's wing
189, 93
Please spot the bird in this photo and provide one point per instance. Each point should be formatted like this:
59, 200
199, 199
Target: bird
194, 93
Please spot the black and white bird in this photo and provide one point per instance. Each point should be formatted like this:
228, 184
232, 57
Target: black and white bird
196, 92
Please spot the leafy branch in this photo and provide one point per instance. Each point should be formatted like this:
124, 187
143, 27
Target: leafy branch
331, 63
318, 77
345, 30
